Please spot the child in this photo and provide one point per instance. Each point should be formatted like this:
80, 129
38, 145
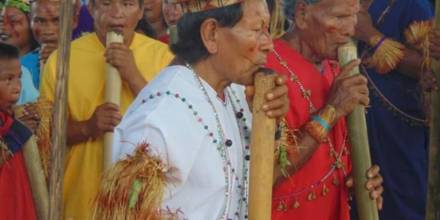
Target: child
16, 200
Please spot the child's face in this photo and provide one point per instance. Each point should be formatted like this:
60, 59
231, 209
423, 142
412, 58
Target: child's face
10, 83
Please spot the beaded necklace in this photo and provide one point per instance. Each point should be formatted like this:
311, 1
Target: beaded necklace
222, 146
243, 187
337, 163
221, 142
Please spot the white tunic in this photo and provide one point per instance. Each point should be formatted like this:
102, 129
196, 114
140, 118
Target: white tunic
173, 115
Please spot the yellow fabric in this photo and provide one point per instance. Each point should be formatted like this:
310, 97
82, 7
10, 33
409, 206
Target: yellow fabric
86, 92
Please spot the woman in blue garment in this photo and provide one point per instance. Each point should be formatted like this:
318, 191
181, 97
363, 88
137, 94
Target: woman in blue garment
397, 128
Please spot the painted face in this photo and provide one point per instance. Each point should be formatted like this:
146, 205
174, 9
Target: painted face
171, 12
116, 15
327, 25
243, 48
45, 18
153, 10
15, 29
10, 83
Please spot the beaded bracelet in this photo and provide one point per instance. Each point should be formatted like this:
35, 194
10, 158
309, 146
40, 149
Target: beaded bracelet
386, 55
321, 124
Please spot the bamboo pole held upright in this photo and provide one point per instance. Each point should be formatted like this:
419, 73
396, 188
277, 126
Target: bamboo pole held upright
37, 178
262, 152
113, 86
433, 200
360, 148
60, 112
174, 36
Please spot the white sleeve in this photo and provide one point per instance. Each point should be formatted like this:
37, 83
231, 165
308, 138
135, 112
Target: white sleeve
134, 130
177, 146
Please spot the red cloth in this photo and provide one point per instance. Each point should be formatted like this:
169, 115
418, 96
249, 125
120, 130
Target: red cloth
297, 188
165, 39
16, 200
5, 123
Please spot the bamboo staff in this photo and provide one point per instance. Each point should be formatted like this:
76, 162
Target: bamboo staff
60, 112
113, 86
35, 170
360, 148
433, 200
262, 152
173, 34
37, 178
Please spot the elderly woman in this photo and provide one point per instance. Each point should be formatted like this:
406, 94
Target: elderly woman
317, 166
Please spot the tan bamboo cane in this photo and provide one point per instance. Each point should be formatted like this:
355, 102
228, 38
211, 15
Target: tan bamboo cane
433, 200
113, 86
360, 148
173, 34
60, 113
37, 178
262, 152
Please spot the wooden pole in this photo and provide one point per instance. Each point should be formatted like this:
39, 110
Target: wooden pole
262, 152
60, 113
360, 148
433, 200
37, 178
113, 86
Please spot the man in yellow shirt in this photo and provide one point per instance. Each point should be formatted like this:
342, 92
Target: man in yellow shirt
138, 59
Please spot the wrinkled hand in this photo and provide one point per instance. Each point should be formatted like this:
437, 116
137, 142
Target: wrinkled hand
348, 91
277, 100
373, 185
365, 29
121, 57
46, 50
434, 43
105, 118
30, 117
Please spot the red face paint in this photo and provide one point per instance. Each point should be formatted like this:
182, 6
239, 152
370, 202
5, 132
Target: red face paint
16, 26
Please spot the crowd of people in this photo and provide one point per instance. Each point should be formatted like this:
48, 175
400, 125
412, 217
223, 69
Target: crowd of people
181, 145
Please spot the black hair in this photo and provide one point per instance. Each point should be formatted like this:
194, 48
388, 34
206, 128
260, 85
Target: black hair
189, 45
32, 41
8, 51
144, 27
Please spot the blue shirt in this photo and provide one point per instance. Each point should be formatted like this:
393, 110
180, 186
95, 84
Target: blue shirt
32, 62
28, 92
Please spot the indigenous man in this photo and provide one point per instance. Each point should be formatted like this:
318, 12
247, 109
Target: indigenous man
314, 153
137, 60
195, 116
397, 128
16, 200
44, 16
